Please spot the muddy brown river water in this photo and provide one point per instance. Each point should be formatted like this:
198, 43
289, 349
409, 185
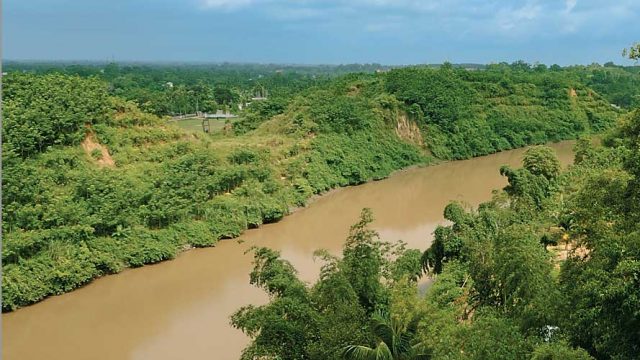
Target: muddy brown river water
180, 309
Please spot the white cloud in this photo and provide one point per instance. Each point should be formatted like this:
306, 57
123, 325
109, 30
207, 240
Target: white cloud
385, 25
225, 4
294, 14
419, 5
510, 19
514, 19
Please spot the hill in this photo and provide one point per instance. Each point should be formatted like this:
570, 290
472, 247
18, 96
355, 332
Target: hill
93, 184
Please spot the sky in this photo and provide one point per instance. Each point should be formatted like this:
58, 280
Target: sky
390, 32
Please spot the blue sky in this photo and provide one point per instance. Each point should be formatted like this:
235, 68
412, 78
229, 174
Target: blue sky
321, 31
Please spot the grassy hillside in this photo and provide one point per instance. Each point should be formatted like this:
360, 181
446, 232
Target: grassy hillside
92, 184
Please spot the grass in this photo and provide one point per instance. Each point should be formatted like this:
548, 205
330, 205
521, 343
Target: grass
195, 125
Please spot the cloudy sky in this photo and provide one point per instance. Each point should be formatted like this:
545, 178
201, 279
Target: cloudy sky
321, 31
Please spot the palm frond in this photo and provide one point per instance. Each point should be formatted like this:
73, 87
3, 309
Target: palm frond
358, 352
420, 351
381, 326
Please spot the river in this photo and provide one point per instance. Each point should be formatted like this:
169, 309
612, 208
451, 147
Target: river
180, 309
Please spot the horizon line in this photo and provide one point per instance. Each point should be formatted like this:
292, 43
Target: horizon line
227, 62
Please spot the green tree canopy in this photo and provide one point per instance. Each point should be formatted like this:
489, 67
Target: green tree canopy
42, 111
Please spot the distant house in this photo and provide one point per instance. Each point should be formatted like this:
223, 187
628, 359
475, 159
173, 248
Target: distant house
4, 74
169, 84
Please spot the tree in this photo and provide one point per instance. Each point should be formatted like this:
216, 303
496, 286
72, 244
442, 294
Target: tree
395, 341
631, 133
633, 52
342, 320
489, 337
536, 180
43, 111
447, 243
204, 97
559, 351
286, 325
362, 262
542, 160
224, 95
441, 95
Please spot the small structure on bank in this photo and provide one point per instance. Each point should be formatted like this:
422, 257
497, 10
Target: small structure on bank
206, 125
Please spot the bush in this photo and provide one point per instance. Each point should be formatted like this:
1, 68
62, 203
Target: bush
226, 217
143, 246
195, 233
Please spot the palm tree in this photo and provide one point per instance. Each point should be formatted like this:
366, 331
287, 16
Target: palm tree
395, 342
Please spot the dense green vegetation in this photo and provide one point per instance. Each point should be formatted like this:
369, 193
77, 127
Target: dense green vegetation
71, 215
619, 85
170, 89
466, 114
548, 269
95, 181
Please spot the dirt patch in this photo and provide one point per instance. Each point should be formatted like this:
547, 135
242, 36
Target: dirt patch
227, 129
354, 90
97, 152
567, 249
408, 130
572, 92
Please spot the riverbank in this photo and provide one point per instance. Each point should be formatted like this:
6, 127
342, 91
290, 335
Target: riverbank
185, 245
